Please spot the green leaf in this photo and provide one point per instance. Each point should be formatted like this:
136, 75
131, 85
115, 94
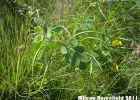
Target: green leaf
75, 60
54, 45
63, 50
84, 27
94, 54
69, 55
71, 25
48, 35
56, 28
89, 20
45, 29
38, 21
36, 46
37, 29
106, 31
102, 37
73, 42
111, 14
83, 57
82, 66
108, 55
79, 49
38, 38
87, 24
116, 52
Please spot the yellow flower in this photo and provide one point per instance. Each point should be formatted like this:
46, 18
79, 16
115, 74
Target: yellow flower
116, 42
114, 66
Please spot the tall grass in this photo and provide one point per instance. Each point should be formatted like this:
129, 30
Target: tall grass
32, 71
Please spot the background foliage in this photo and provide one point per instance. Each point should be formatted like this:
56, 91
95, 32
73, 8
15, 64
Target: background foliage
60, 49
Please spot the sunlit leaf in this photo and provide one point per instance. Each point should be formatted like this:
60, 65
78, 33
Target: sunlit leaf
63, 50
38, 38
48, 35
71, 25
111, 14
73, 42
37, 29
54, 45
36, 46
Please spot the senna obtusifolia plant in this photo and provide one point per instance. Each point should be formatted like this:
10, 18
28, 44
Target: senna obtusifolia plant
70, 44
